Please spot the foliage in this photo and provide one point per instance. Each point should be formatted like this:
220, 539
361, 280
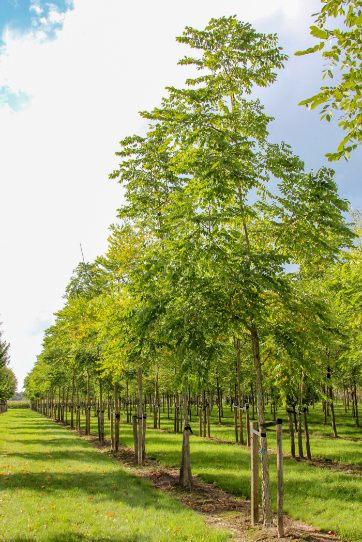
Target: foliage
8, 383
214, 216
341, 48
4, 351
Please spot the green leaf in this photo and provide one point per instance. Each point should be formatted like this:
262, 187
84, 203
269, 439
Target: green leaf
319, 33
313, 49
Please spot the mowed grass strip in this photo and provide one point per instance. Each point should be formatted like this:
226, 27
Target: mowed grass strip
55, 487
345, 449
324, 498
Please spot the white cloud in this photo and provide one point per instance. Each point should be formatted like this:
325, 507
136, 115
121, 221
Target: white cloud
109, 61
55, 16
36, 8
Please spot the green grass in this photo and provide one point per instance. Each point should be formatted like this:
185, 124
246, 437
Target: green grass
55, 487
324, 498
345, 449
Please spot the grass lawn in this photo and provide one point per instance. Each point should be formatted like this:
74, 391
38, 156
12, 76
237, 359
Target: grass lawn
55, 487
345, 449
325, 498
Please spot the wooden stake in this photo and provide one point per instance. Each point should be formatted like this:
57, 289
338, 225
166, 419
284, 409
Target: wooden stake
117, 416
254, 473
280, 491
135, 437
247, 423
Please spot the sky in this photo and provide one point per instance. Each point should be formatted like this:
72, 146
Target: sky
73, 76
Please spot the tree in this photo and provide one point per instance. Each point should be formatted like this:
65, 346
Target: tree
221, 237
345, 284
341, 47
4, 351
8, 383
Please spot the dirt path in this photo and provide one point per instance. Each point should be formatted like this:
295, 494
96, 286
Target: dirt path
218, 507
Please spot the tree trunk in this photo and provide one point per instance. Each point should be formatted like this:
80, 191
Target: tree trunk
156, 405
59, 413
117, 417
209, 415
355, 402
300, 436
238, 390
306, 430
291, 432
141, 418
72, 405
300, 410
87, 407
78, 411
236, 423
330, 395
66, 406
101, 414
219, 401
263, 441
185, 469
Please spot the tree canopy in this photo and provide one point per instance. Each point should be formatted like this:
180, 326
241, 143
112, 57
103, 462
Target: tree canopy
338, 27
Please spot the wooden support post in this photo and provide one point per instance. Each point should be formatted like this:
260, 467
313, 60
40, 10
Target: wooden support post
200, 420
247, 423
209, 416
112, 431
144, 426
266, 499
117, 416
280, 491
135, 437
254, 491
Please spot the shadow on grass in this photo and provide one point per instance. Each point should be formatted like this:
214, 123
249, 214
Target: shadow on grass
228, 466
118, 486
46, 431
60, 442
71, 536
83, 456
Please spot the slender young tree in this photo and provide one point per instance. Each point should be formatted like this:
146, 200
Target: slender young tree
201, 180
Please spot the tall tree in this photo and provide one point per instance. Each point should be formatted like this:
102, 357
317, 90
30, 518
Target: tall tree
8, 383
202, 182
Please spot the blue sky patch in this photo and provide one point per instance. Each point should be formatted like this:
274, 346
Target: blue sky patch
15, 100
41, 17
30, 15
